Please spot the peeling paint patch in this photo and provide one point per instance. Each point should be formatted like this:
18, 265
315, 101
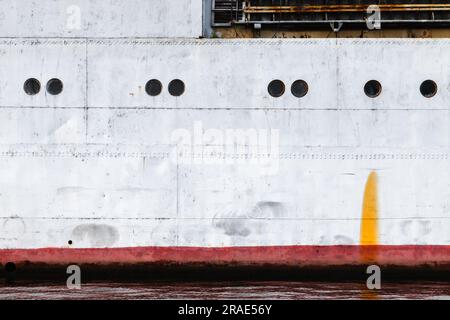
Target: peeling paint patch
95, 235
233, 222
343, 240
268, 209
233, 227
13, 226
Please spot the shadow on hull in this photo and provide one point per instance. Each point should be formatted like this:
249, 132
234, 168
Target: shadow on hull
201, 272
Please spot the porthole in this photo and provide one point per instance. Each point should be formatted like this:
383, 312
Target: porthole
372, 88
299, 88
276, 88
153, 87
70, 242
176, 87
54, 86
428, 88
10, 267
32, 86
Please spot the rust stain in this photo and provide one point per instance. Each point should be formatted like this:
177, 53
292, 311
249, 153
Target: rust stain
345, 8
369, 220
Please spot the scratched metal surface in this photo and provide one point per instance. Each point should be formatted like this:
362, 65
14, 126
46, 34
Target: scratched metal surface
93, 164
100, 18
230, 290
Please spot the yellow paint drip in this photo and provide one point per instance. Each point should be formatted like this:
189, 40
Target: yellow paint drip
369, 219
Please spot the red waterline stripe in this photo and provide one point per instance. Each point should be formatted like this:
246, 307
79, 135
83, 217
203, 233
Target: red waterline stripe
402, 255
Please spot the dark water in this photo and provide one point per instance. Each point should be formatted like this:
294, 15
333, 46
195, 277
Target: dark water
229, 290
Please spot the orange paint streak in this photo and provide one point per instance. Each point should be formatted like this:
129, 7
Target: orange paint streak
369, 219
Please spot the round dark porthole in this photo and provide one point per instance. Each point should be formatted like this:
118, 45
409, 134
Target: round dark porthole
299, 88
32, 86
10, 267
70, 242
372, 88
428, 88
276, 88
54, 86
176, 87
153, 87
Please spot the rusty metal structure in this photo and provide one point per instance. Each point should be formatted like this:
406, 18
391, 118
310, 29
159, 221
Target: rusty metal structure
324, 12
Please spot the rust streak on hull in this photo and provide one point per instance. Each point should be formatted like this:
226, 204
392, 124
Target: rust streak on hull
369, 219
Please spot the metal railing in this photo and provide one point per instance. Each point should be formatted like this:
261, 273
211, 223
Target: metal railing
309, 12
226, 12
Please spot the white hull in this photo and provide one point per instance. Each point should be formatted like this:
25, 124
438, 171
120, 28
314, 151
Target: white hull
93, 164
225, 172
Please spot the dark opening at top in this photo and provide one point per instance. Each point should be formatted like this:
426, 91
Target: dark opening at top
54, 86
276, 88
176, 87
32, 86
299, 88
428, 88
372, 88
153, 87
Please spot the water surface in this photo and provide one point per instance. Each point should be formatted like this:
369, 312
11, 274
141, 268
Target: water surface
228, 290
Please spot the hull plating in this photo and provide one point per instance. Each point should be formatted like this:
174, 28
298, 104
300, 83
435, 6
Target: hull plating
95, 175
275, 256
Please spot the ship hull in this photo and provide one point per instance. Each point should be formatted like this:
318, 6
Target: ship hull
105, 174
412, 256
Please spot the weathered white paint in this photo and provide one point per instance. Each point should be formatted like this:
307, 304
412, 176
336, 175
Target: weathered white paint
101, 18
97, 157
